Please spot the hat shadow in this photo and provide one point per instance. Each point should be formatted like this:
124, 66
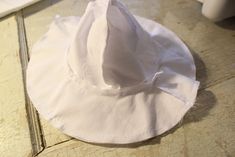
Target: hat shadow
205, 101
228, 23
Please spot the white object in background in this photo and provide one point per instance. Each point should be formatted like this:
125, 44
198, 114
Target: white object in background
217, 10
9, 6
111, 77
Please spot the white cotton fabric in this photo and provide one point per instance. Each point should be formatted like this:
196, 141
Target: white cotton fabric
9, 6
111, 77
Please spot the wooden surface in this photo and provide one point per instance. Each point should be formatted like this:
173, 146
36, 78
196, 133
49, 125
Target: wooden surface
208, 130
14, 130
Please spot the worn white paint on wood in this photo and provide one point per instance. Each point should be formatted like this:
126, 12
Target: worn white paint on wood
14, 130
215, 54
7, 7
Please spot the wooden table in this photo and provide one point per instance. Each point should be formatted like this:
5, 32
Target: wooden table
208, 130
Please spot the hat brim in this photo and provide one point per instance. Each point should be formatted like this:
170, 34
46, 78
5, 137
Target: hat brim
87, 115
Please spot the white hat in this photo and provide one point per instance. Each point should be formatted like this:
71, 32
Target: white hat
110, 77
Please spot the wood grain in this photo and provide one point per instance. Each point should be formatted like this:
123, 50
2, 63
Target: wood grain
14, 131
32, 115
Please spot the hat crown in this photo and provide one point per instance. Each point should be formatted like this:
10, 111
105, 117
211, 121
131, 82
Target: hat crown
109, 47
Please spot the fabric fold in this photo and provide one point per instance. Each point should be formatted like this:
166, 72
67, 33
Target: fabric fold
170, 82
111, 77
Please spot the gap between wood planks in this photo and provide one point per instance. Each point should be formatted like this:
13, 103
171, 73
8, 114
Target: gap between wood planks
35, 128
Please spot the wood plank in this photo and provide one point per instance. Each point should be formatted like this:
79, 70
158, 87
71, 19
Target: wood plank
213, 131
33, 118
211, 135
214, 60
171, 145
14, 129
